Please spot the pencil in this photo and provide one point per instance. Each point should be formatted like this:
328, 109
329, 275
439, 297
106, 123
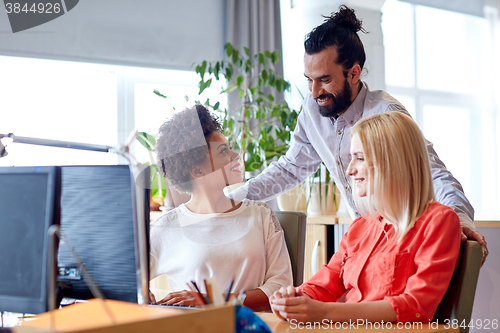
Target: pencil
228, 293
196, 286
208, 287
196, 295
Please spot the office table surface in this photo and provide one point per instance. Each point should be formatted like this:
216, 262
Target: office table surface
280, 326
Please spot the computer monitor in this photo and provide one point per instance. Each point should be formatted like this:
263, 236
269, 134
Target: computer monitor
28, 207
99, 220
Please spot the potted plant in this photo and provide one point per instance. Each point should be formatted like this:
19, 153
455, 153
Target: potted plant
161, 196
158, 184
324, 195
261, 127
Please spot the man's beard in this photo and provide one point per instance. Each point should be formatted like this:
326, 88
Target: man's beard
339, 103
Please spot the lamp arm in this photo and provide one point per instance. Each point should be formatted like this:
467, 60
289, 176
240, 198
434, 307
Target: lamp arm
57, 143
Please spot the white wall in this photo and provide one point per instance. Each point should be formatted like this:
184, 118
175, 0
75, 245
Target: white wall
487, 300
168, 34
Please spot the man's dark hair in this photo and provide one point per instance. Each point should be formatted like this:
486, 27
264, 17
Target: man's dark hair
176, 139
339, 30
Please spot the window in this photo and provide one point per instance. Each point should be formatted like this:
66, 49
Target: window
61, 101
88, 103
439, 64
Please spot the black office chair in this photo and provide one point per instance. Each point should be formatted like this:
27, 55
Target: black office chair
459, 298
294, 228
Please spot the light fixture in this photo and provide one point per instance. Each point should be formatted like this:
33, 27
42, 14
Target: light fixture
6, 139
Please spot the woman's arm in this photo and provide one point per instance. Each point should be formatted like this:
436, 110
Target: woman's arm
437, 249
256, 300
305, 309
290, 303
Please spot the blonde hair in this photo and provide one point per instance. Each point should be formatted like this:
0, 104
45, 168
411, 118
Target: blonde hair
399, 169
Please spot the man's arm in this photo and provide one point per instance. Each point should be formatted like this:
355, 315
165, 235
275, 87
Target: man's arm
449, 192
290, 170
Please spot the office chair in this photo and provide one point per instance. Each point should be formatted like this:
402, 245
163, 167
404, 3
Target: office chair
294, 228
459, 298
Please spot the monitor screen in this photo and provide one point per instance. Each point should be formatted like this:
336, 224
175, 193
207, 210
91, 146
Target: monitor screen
99, 221
28, 206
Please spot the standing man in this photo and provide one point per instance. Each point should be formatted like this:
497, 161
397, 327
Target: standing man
333, 60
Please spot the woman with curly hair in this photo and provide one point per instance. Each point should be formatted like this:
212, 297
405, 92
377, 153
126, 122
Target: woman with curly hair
212, 236
396, 261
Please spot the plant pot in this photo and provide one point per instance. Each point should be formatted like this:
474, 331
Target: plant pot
231, 188
321, 205
293, 200
155, 203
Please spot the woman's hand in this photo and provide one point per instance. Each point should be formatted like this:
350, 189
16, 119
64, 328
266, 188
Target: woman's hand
291, 303
152, 298
184, 297
287, 292
300, 308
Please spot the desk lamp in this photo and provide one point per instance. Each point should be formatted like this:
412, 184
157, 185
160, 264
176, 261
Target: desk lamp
122, 150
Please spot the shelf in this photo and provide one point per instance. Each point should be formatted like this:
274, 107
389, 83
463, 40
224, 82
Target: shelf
329, 219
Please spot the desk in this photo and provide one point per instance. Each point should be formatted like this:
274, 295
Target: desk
280, 326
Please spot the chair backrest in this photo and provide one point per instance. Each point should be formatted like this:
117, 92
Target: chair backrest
459, 298
294, 228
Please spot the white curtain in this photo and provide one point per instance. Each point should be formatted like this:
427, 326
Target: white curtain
255, 24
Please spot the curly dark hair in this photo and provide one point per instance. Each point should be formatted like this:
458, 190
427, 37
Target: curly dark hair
180, 145
339, 30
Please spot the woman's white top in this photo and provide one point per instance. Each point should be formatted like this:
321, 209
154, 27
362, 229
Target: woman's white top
246, 245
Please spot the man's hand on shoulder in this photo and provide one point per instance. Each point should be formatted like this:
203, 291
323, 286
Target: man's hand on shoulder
472, 234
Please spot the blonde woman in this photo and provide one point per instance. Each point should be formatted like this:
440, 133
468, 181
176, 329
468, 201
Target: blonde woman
396, 261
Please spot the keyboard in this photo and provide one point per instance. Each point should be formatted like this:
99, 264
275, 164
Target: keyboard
178, 306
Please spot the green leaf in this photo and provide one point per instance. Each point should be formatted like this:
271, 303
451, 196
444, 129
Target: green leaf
272, 79
241, 93
147, 140
231, 88
275, 57
236, 55
264, 76
216, 70
253, 162
247, 51
270, 97
278, 85
203, 68
159, 94
239, 80
216, 106
262, 59
252, 90
202, 87
229, 72
248, 66
229, 49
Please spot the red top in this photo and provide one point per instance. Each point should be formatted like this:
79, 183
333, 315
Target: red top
412, 275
